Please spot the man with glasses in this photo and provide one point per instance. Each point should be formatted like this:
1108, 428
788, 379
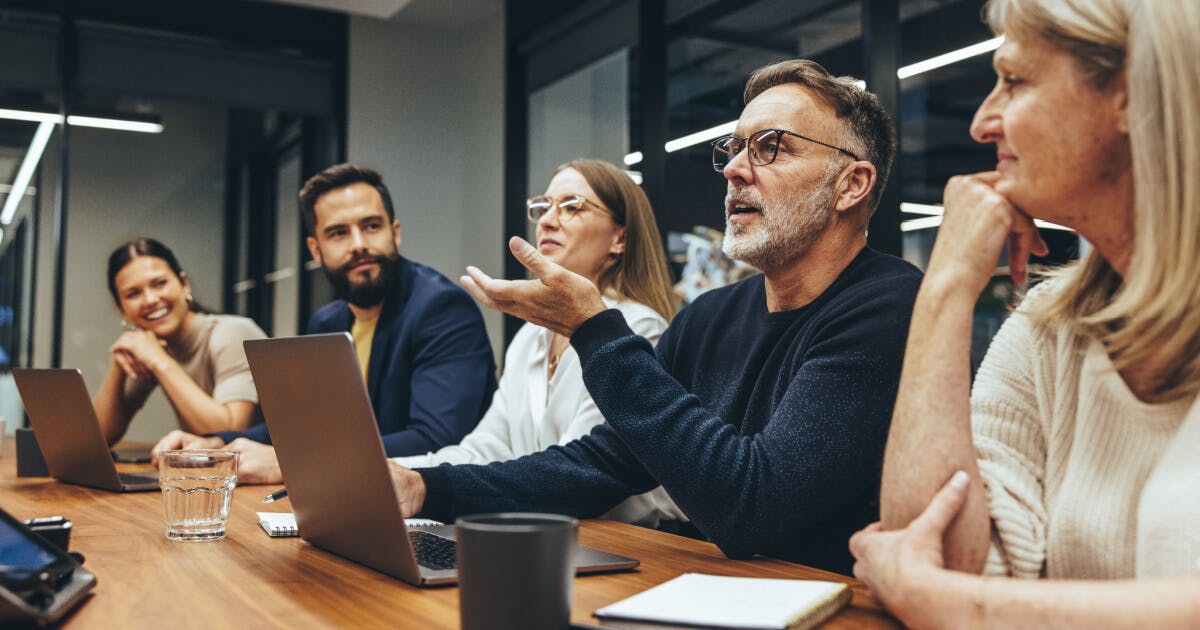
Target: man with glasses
420, 339
765, 412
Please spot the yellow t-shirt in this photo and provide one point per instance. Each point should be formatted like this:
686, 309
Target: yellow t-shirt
363, 333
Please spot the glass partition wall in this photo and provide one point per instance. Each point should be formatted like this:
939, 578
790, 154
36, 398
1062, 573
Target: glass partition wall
584, 114
125, 120
928, 60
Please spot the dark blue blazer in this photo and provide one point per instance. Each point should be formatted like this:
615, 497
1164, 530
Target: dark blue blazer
431, 374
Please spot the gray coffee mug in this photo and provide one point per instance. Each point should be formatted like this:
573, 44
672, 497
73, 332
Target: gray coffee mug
515, 570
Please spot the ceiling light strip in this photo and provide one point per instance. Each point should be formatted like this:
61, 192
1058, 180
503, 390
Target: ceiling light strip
920, 208
119, 124
25, 173
38, 117
934, 220
923, 223
953, 56
905, 72
692, 139
705, 135
115, 123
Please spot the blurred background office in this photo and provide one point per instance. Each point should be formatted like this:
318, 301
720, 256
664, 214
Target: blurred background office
195, 122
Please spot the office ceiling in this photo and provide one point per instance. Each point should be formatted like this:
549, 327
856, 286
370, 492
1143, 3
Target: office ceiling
710, 60
433, 13
382, 9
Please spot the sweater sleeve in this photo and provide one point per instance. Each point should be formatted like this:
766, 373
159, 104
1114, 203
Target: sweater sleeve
749, 494
642, 322
583, 478
649, 508
819, 450
1010, 444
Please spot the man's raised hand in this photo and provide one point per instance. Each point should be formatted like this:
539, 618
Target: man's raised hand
556, 298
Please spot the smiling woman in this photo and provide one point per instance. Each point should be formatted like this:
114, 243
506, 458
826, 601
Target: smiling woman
172, 341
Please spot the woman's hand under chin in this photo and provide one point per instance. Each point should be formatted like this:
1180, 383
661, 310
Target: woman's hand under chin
140, 354
977, 222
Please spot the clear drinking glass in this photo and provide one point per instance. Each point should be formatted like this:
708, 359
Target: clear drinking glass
197, 486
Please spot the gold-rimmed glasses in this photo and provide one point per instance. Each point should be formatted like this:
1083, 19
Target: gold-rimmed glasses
569, 207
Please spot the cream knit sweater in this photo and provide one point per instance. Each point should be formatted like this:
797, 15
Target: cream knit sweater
1084, 480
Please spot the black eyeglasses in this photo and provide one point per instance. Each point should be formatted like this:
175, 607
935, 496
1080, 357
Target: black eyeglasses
569, 207
763, 146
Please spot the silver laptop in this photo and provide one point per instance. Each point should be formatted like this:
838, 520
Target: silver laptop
332, 458
68, 431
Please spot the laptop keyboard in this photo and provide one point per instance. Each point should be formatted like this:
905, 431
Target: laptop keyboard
134, 478
433, 551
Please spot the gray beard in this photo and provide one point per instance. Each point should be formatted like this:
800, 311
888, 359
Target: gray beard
786, 229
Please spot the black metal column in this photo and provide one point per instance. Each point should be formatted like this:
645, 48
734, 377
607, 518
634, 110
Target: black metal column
67, 66
516, 156
881, 58
652, 92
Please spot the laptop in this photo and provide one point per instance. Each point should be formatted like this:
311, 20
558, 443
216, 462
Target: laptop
316, 405
68, 432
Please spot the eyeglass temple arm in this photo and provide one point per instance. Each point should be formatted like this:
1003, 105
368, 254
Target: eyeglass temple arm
824, 144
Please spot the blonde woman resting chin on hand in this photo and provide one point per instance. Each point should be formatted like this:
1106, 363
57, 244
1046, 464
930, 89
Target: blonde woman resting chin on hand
1077, 471
170, 341
595, 221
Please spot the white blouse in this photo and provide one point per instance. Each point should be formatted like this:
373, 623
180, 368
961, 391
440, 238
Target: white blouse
528, 414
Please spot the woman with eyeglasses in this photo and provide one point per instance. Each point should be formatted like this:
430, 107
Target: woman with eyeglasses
173, 342
1070, 475
594, 220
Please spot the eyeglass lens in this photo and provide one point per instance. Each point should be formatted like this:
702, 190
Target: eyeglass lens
763, 147
569, 206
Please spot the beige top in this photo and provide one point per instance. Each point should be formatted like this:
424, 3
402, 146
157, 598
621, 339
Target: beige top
363, 334
1084, 480
213, 356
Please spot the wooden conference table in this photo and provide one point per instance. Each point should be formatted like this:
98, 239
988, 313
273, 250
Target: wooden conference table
144, 580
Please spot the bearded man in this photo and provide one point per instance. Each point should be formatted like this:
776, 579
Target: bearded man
765, 410
420, 339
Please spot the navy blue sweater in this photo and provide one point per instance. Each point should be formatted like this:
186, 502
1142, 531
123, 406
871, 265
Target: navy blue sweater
430, 375
767, 429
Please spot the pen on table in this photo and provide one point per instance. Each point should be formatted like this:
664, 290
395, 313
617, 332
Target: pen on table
275, 496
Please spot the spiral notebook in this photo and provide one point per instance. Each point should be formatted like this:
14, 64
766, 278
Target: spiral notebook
714, 601
283, 524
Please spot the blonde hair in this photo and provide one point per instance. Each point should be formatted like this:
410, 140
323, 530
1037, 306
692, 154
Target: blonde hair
640, 272
1153, 313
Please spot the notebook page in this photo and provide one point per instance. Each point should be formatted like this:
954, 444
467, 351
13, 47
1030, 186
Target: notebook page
731, 602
